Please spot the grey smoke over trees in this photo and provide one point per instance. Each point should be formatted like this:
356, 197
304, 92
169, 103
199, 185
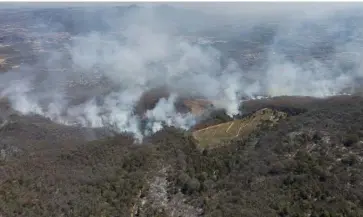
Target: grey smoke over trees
115, 54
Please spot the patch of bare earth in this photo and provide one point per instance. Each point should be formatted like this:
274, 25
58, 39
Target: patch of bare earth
157, 198
217, 134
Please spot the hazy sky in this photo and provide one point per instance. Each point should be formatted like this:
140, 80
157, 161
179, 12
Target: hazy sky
224, 9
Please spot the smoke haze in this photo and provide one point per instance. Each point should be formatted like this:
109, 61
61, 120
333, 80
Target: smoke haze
97, 76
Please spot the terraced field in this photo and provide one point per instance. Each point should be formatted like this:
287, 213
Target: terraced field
217, 134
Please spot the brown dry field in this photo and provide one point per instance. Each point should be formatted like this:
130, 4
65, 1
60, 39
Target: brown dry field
217, 134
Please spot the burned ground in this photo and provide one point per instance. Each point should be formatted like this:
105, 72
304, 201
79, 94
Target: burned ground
308, 164
183, 104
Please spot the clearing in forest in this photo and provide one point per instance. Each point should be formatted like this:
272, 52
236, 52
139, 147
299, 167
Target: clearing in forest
214, 135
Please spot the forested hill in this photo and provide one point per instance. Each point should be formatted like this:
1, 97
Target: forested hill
308, 164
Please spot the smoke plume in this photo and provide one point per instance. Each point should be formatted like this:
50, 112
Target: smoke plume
96, 78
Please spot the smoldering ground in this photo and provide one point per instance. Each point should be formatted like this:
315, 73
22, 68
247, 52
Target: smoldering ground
114, 55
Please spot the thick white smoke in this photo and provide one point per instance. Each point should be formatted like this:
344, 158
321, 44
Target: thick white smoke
98, 78
165, 113
131, 61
